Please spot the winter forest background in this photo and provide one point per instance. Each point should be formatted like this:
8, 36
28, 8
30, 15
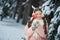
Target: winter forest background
18, 12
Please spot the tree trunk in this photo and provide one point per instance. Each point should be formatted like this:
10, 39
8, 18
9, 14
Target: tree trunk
19, 7
26, 12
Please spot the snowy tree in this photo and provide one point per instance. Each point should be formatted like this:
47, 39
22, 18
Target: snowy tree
48, 10
53, 18
54, 26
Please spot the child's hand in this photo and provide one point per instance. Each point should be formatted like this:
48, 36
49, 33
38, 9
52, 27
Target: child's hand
36, 35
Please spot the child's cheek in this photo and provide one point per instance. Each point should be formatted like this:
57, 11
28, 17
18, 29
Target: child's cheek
34, 16
38, 16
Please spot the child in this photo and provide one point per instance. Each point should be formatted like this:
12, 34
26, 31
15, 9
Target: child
38, 27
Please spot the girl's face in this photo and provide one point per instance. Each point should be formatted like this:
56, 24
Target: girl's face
39, 14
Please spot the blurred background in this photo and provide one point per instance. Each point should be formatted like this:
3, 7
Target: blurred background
14, 14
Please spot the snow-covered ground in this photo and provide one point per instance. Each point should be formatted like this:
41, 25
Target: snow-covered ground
10, 30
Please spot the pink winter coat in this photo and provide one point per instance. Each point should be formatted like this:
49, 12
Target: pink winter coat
37, 34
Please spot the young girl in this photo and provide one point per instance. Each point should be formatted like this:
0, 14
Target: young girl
37, 27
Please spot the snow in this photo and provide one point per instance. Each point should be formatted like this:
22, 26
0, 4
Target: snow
14, 4
56, 18
55, 21
7, 4
46, 7
51, 28
52, 20
10, 30
58, 9
57, 37
47, 10
46, 3
58, 30
59, 16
